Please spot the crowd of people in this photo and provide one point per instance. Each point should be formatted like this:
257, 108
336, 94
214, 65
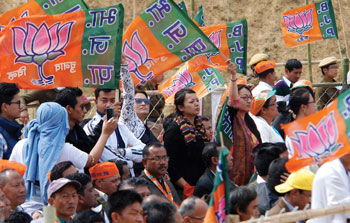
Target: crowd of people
115, 168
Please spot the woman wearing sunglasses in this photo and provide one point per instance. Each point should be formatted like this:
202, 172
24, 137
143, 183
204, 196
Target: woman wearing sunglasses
135, 109
245, 133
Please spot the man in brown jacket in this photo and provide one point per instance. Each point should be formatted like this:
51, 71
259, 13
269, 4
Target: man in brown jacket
297, 190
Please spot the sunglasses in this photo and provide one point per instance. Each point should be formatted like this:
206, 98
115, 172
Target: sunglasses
140, 100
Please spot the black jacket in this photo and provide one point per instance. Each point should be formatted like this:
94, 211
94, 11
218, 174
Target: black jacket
185, 159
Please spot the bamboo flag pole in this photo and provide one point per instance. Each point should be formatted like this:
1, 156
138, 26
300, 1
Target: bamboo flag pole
309, 55
343, 24
303, 215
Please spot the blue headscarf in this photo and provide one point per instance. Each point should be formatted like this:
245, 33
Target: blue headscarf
46, 136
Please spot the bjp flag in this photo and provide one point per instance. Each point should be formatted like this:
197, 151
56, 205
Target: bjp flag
75, 49
202, 82
309, 23
320, 137
41, 7
232, 40
219, 205
161, 38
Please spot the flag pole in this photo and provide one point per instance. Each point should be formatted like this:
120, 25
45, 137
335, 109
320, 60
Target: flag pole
221, 140
309, 62
343, 25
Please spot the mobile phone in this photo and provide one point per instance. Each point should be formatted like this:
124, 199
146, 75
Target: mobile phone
110, 113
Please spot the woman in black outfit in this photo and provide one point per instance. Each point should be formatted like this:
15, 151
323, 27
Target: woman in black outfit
184, 141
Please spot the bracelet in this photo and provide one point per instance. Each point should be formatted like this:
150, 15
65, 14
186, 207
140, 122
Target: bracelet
234, 80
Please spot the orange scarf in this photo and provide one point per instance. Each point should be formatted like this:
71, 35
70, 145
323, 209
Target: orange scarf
166, 192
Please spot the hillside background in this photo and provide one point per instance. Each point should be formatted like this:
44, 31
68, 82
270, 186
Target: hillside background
264, 26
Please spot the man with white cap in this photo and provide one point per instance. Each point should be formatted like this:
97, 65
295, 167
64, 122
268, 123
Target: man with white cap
297, 190
63, 196
325, 94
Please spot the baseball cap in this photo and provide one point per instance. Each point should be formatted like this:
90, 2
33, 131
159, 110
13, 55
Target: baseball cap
301, 179
302, 83
264, 66
56, 185
19, 167
260, 100
103, 170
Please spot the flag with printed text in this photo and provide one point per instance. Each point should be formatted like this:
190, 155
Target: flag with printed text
219, 205
320, 137
41, 7
232, 40
182, 6
224, 125
309, 23
199, 17
202, 82
161, 38
75, 49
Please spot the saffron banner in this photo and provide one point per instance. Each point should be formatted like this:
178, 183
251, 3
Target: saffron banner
219, 204
232, 40
75, 49
309, 23
41, 7
202, 82
320, 137
161, 38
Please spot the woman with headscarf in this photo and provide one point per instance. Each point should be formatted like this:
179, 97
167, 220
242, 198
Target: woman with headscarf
44, 146
184, 141
245, 134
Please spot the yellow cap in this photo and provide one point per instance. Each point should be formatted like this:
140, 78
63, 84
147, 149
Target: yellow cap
301, 179
327, 61
258, 58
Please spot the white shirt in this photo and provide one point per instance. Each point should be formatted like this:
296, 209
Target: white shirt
331, 187
134, 147
68, 153
267, 133
262, 86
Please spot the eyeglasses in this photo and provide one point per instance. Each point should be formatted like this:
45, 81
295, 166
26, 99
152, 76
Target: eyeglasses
247, 98
15, 102
159, 158
140, 100
199, 219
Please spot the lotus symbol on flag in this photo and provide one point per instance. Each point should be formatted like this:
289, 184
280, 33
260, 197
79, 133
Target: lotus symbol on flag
317, 142
299, 23
40, 44
215, 37
136, 55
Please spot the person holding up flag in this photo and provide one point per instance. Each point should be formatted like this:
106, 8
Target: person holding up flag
245, 133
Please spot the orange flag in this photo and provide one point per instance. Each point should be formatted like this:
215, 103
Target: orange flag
41, 7
76, 49
320, 137
202, 82
161, 38
309, 23
231, 39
